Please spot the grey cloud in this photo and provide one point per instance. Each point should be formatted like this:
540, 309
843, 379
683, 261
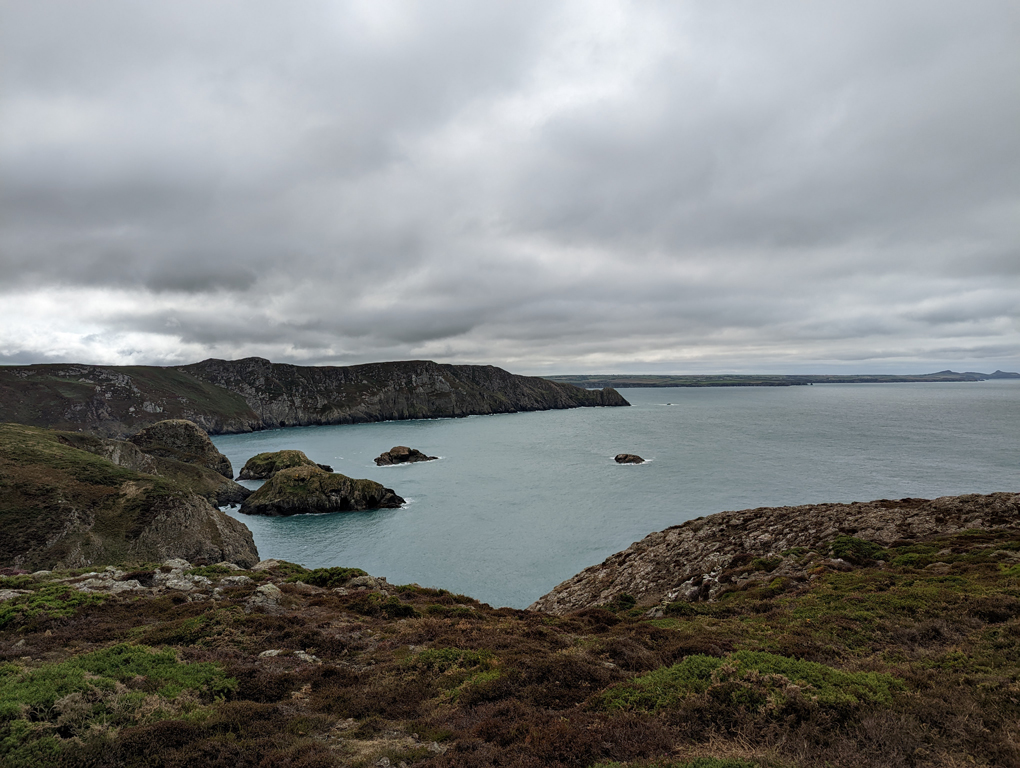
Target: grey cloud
521, 182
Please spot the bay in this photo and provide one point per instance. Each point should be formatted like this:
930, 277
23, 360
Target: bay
519, 502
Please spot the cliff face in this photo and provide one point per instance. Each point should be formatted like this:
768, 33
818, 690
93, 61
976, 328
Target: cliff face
98, 504
289, 395
243, 395
707, 557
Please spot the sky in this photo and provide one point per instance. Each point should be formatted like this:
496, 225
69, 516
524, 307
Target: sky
551, 187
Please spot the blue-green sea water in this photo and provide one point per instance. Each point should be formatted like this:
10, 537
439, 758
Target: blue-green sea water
519, 502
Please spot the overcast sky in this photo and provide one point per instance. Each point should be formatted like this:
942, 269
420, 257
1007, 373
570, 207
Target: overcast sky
549, 187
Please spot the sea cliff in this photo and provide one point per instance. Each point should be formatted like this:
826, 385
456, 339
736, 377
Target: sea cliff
223, 396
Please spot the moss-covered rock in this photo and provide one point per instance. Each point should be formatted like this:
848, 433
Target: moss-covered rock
265, 465
185, 441
301, 490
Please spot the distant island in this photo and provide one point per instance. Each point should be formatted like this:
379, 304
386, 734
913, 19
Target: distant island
622, 381
229, 396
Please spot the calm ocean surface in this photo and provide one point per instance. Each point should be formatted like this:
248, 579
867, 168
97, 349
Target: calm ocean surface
520, 502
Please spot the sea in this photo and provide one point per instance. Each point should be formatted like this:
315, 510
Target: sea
516, 503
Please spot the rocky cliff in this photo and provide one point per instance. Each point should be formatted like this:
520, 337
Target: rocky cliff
244, 395
705, 558
70, 500
290, 395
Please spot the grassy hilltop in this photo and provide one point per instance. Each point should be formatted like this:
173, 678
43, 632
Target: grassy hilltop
906, 654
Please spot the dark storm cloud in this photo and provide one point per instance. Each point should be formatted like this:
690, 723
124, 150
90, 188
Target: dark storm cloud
548, 186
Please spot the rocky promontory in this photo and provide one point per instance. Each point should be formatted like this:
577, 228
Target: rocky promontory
304, 490
229, 396
185, 441
71, 501
401, 454
264, 465
708, 557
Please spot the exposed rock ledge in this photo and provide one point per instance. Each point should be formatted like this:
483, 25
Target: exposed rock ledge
696, 560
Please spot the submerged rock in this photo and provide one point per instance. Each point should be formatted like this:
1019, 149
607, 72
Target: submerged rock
265, 465
185, 441
308, 489
401, 454
629, 458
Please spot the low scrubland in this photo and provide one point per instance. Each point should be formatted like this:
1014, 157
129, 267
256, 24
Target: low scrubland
908, 655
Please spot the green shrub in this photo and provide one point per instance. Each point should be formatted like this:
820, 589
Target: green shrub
856, 551
328, 578
53, 600
751, 679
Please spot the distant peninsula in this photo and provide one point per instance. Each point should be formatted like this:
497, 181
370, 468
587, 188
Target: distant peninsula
230, 396
622, 381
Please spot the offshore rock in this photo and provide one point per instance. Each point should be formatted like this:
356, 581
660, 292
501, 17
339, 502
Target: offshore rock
629, 458
304, 490
185, 441
401, 454
703, 558
265, 465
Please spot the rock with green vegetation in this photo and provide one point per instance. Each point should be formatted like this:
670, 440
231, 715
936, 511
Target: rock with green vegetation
185, 441
243, 395
64, 506
770, 548
308, 489
219, 490
265, 465
401, 454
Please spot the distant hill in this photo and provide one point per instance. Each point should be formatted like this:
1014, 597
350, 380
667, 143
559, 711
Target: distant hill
245, 395
622, 381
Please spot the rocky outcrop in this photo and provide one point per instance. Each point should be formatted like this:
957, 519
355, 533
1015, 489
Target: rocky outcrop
629, 458
66, 507
703, 558
219, 490
401, 454
304, 490
224, 396
264, 465
185, 441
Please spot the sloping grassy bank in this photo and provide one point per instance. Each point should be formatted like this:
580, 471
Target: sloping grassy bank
907, 656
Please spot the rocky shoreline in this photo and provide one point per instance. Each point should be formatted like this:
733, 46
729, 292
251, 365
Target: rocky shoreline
706, 558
